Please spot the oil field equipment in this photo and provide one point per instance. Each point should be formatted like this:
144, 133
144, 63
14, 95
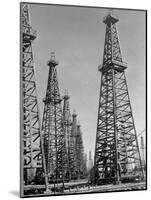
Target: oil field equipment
116, 152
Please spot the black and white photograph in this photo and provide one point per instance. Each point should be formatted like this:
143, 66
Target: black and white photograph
83, 99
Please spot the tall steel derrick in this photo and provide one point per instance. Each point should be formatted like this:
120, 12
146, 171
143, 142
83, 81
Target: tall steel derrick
142, 148
53, 128
67, 127
90, 164
80, 153
32, 152
73, 155
116, 151
74, 142
85, 164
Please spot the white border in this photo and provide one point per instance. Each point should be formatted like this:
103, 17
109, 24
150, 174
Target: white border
9, 99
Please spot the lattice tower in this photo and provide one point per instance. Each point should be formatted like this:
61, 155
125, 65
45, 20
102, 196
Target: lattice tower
53, 128
33, 160
116, 150
67, 126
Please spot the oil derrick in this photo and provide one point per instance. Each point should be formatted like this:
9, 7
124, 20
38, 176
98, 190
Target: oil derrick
142, 153
33, 159
80, 153
73, 155
116, 150
53, 129
85, 163
90, 161
67, 127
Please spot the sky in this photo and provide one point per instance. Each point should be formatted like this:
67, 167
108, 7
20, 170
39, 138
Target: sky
76, 35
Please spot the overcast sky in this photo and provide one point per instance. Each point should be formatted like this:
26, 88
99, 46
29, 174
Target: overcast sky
77, 34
